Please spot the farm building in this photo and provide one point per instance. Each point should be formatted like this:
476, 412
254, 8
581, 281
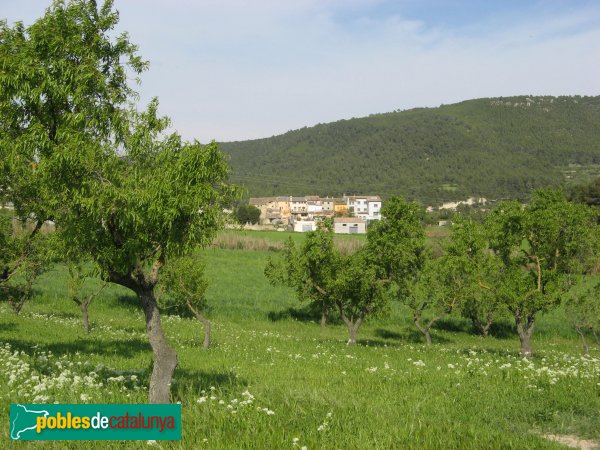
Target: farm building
349, 225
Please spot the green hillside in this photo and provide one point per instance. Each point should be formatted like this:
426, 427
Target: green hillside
494, 147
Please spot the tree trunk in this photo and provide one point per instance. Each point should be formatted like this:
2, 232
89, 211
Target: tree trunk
485, 329
165, 357
586, 348
422, 329
352, 334
84, 314
596, 336
204, 321
525, 331
324, 316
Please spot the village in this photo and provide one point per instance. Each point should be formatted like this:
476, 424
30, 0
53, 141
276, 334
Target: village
350, 214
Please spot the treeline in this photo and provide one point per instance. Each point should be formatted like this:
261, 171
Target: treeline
496, 148
519, 261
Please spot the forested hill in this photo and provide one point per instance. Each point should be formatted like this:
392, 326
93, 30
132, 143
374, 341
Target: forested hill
494, 147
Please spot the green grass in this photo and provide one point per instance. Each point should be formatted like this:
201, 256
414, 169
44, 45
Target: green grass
390, 391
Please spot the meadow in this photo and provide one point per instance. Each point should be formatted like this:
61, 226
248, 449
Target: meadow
274, 378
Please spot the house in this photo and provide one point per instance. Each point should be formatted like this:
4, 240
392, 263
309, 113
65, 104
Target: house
273, 210
366, 207
298, 205
349, 225
328, 206
340, 207
304, 226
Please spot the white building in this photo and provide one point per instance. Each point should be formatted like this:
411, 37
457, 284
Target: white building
367, 207
349, 225
304, 226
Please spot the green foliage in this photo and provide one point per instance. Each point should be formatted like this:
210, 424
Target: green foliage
484, 147
484, 301
582, 307
541, 246
358, 288
182, 286
247, 214
396, 244
63, 89
310, 270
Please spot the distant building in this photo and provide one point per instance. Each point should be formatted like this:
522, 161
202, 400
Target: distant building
349, 225
366, 207
301, 213
304, 226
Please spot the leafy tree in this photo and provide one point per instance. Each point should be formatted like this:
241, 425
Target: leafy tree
310, 270
183, 285
396, 244
77, 276
484, 302
247, 214
120, 190
583, 309
358, 291
540, 245
23, 258
437, 290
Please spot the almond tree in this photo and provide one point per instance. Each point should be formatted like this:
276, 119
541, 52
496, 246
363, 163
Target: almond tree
358, 291
583, 309
310, 270
182, 286
120, 190
540, 245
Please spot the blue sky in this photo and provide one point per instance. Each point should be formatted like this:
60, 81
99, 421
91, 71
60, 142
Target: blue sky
240, 69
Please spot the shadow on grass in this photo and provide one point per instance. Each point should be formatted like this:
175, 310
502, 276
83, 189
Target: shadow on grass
127, 301
503, 330
192, 382
454, 325
11, 326
411, 336
304, 314
121, 347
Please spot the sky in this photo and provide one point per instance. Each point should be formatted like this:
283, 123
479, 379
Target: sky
244, 69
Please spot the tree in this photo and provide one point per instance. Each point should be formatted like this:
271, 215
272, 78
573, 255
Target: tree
583, 309
483, 300
182, 287
23, 258
77, 277
540, 246
310, 270
247, 214
120, 190
158, 199
439, 288
396, 247
358, 291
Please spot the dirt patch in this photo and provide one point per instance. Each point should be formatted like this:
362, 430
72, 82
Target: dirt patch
572, 441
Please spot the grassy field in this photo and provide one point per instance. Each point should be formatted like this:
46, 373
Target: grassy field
275, 379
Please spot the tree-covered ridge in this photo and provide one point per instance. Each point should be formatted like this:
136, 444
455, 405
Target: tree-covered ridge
493, 147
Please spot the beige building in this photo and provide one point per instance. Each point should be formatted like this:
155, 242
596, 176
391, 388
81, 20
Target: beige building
349, 225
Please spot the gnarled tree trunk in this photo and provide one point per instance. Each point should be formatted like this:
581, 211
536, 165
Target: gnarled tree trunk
84, 314
352, 324
165, 357
324, 315
205, 322
586, 347
525, 331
